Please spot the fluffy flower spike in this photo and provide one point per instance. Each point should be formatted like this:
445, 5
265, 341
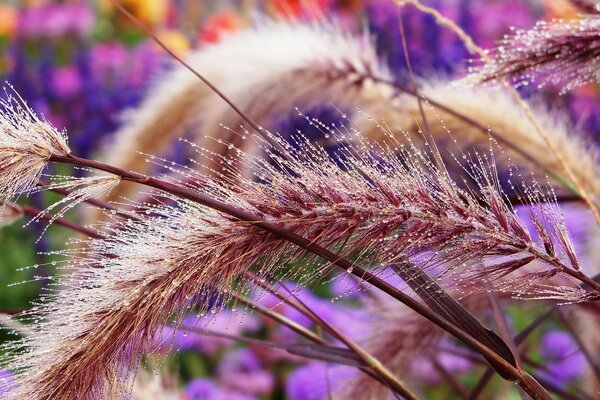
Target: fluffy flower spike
562, 52
26, 144
379, 205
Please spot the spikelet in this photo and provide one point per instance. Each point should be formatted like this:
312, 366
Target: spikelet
79, 190
266, 70
26, 144
565, 53
370, 203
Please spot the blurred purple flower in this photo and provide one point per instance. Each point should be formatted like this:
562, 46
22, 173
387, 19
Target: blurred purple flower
66, 81
200, 389
507, 14
565, 360
108, 60
225, 321
240, 369
315, 380
56, 20
146, 61
206, 389
424, 369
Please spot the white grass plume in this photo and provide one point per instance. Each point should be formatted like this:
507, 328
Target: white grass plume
277, 66
265, 70
496, 109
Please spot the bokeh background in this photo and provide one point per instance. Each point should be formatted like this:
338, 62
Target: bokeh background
81, 64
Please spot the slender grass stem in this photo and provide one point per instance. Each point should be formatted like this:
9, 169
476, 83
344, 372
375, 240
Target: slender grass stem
386, 375
36, 212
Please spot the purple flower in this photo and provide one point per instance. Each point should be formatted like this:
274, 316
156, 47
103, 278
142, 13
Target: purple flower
424, 369
234, 323
241, 370
82, 18
249, 383
565, 360
66, 81
200, 389
314, 381
206, 389
56, 20
146, 59
108, 60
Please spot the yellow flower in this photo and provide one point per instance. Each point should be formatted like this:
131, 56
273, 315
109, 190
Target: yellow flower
8, 20
174, 40
151, 12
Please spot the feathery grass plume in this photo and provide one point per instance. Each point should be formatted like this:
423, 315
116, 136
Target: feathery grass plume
265, 70
562, 52
489, 107
370, 203
26, 144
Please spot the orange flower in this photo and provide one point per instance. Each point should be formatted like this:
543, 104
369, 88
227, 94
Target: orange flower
220, 23
8, 20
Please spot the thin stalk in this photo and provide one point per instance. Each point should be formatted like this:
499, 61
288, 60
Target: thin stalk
504, 332
460, 391
40, 214
589, 356
520, 376
388, 377
282, 319
296, 328
396, 384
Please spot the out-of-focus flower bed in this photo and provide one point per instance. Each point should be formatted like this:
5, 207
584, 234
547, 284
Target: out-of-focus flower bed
81, 64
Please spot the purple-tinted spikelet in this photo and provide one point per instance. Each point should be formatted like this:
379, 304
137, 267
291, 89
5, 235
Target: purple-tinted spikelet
562, 52
373, 204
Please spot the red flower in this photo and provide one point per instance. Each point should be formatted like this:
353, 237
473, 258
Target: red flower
300, 8
218, 24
